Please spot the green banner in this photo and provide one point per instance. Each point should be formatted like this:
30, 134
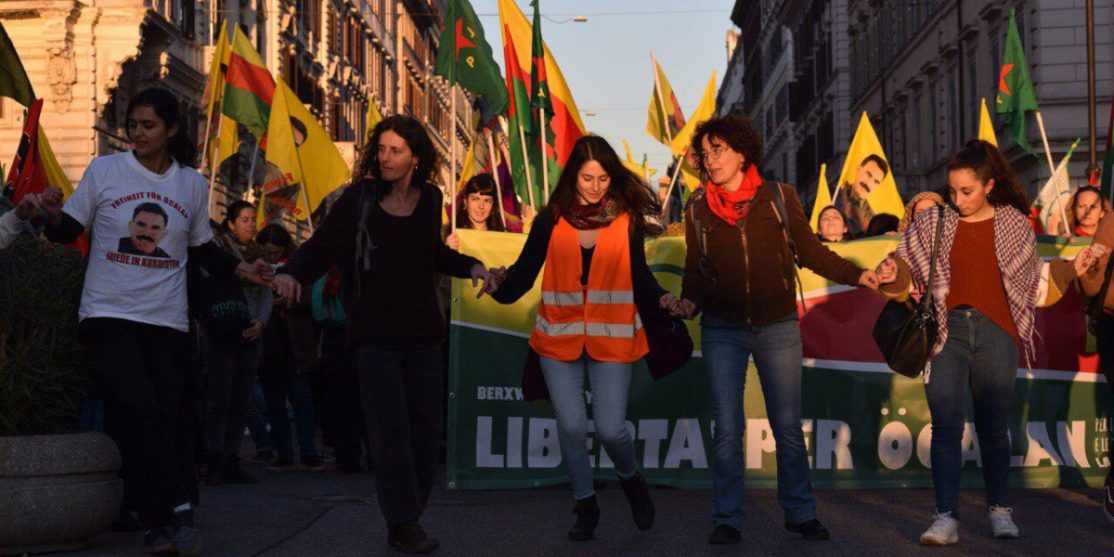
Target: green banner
865, 426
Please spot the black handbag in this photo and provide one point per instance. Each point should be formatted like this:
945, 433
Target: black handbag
906, 332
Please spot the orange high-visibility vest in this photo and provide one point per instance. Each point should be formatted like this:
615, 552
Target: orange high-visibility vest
601, 317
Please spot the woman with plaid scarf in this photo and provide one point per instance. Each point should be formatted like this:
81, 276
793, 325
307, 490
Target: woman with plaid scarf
986, 314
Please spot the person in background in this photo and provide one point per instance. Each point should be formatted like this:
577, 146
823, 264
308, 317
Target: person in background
832, 225
882, 224
231, 364
985, 315
133, 317
479, 209
384, 233
921, 201
1088, 206
289, 364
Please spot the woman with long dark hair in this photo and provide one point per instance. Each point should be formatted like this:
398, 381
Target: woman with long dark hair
984, 314
595, 290
147, 211
479, 208
384, 233
231, 360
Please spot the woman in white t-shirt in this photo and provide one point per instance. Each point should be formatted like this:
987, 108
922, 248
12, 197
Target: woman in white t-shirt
147, 212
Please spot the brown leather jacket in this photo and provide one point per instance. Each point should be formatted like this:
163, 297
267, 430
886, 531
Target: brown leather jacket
745, 274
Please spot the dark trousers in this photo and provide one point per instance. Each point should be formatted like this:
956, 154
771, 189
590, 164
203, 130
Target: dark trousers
142, 370
1104, 337
401, 392
342, 389
979, 358
230, 370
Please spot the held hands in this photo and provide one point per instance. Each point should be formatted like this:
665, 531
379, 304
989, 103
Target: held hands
1087, 258
886, 271
683, 308
50, 201
490, 277
258, 271
869, 279
670, 303
287, 288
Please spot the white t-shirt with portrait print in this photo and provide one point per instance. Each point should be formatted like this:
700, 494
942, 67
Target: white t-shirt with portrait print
141, 225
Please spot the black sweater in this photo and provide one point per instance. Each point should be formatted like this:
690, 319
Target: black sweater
395, 302
522, 275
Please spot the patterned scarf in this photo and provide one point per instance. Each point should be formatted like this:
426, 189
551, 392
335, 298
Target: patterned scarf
732, 206
1016, 247
592, 216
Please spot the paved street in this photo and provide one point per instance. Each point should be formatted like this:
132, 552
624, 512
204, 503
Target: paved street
299, 515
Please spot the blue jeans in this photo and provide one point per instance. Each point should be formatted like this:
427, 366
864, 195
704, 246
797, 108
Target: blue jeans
980, 355
287, 383
610, 382
776, 348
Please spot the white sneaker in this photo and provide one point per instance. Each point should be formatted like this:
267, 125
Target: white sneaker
944, 530
1001, 521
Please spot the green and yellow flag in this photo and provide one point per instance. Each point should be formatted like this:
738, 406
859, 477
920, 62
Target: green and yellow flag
303, 164
249, 87
226, 143
1016, 94
665, 119
13, 78
464, 56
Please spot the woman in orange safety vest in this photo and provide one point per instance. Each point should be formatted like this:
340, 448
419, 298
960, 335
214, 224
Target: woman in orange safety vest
590, 238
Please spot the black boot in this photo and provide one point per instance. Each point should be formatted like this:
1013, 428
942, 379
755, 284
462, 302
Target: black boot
641, 506
411, 539
810, 530
587, 518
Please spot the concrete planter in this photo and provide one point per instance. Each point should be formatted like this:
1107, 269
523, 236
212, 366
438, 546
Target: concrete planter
56, 491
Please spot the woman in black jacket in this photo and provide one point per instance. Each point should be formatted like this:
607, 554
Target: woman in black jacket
384, 233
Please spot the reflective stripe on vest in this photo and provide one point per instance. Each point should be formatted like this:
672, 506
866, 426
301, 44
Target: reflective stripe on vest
558, 329
562, 298
611, 330
611, 297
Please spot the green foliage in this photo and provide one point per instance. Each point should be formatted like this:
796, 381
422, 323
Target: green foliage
42, 374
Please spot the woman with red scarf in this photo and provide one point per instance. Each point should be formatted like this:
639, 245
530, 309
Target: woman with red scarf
597, 292
739, 272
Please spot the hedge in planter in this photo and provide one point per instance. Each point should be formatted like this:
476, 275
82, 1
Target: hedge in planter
42, 371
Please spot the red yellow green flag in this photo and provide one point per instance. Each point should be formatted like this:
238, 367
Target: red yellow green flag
249, 87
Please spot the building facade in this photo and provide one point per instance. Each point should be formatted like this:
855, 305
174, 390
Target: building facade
921, 68
87, 59
790, 76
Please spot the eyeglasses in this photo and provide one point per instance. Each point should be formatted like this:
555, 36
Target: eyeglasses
714, 153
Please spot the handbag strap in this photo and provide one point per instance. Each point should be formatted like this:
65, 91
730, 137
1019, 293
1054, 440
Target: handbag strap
932, 261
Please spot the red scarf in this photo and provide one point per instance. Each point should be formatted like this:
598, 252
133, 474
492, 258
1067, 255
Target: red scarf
732, 206
1082, 233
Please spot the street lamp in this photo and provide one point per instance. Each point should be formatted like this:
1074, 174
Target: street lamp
580, 19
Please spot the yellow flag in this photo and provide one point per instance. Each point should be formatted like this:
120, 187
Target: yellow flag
823, 199
228, 143
54, 174
642, 169
689, 174
373, 116
986, 128
303, 164
867, 184
468, 169
704, 111
665, 118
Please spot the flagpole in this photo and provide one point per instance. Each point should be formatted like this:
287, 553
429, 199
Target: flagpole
495, 173
213, 161
251, 172
545, 155
672, 183
1052, 167
452, 154
526, 163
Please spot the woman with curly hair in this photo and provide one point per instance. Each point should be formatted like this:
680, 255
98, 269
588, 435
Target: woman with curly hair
384, 233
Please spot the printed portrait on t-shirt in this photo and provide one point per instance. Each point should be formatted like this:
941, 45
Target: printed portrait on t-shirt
146, 229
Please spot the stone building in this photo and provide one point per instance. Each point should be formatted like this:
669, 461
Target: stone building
87, 59
921, 68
